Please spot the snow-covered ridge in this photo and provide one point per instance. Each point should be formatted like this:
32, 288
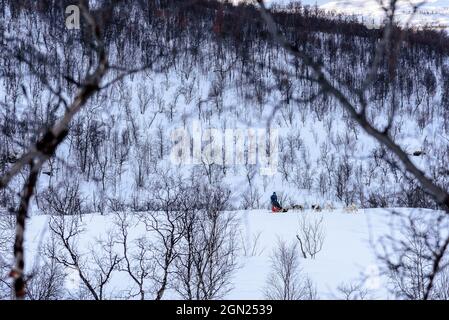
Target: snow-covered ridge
430, 14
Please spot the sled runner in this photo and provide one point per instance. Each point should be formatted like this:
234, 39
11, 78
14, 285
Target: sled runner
275, 209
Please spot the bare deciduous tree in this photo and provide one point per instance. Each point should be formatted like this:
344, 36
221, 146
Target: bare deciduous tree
310, 235
286, 280
47, 281
165, 223
137, 256
207, 252
94, 273
415, 255
64, 200
352, 291
441, 287
39, 151
354, 102
7, 224
251, 245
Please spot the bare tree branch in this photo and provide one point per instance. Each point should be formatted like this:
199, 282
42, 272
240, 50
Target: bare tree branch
22, 213
440, 195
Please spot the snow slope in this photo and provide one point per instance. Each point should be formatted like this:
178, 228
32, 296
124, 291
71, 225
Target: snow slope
433, 13
317, 152
348, 255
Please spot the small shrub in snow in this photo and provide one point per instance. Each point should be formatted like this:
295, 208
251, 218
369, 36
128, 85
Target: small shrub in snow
251, 245
352, 291
65, 199
351, 208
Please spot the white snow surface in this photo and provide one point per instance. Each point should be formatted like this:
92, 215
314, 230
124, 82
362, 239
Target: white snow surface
348, 255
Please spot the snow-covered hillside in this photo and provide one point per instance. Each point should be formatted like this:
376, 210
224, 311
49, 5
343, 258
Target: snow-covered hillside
233, 82
162, 180
120, 145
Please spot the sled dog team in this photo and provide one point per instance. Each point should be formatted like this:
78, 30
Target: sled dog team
276, 207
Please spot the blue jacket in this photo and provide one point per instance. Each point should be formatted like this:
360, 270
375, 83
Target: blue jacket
274, 198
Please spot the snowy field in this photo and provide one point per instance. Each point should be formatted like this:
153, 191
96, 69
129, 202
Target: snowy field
119, 154
348, 256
